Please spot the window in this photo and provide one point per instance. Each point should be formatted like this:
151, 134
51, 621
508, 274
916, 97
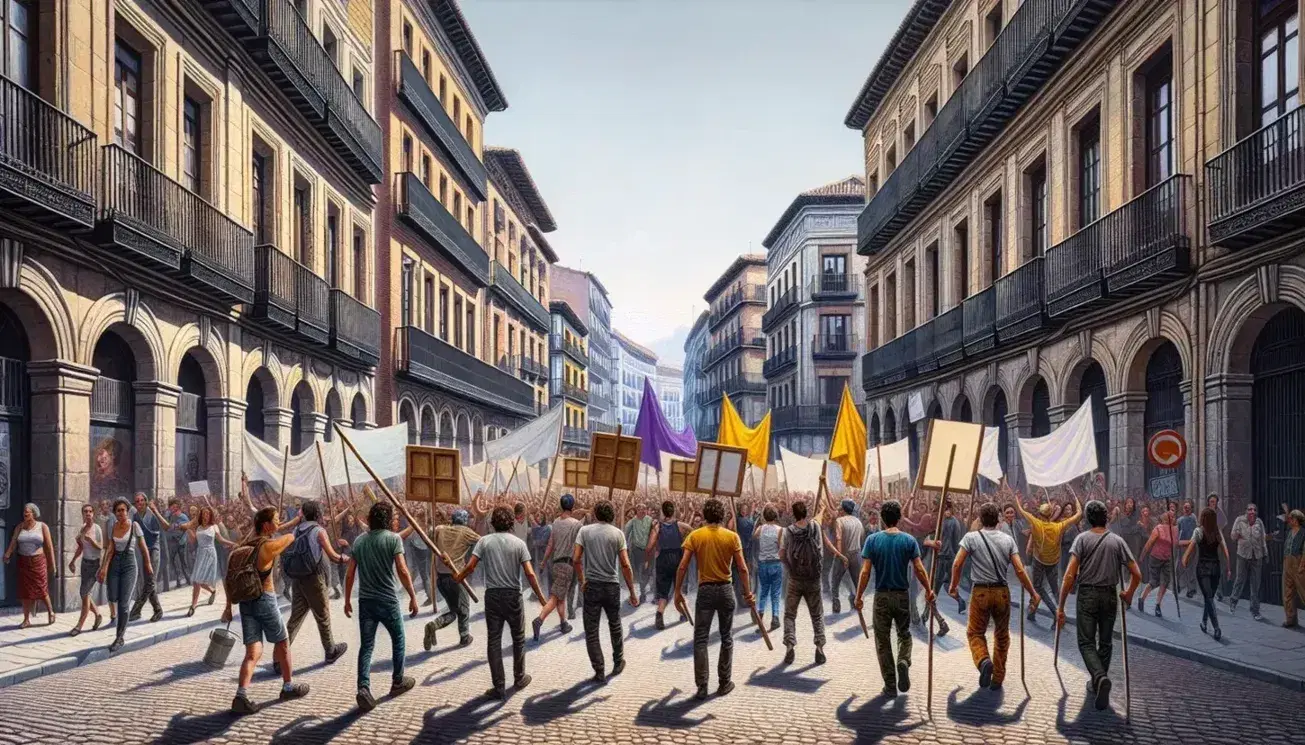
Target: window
1278, 86
407, 153
471, 328
444, 312
360, 264
931, 109
444, 88
1159, 120
471, 221
405, 288
359, 84
407, 38
127, 97
908, 137
890, 158
332, 245
457, 109
931, 279
1038, 237
961, 264
428, 295
444, 190
303, 224
457, 322
457, 205
996, 236
831, 389
469, 129
425, 170
425, 65
1089, 171
18, 48
992, 24
960, 68
835, 264
191, 146
331, 45
260, 179
833, 332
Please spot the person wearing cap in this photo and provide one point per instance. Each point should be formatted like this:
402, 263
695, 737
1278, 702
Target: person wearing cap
1045, 535
456, 541
557, 556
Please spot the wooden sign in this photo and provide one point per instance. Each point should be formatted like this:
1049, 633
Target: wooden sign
614, 461
683, 475
950, 448
575, 473
719, 469
433, 475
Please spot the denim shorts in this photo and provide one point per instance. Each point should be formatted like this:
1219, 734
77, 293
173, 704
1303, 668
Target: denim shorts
261, 620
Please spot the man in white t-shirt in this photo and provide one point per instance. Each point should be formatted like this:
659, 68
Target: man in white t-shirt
993, 552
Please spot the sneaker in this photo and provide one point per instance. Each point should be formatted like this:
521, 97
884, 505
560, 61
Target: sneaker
725, 688
788, 656
774, 623
1140, 601
1256, 615
903, 676
296, 690
1218, 633
837, 608
618, 668
566, 628
241, 706
702, 693
466, 640
116, 645
1191, 594
401, 687
496, 694
1158, 613
428, 637
889, 692
660, 623
1204, 628
599, 677
1031, 615
985, 673
521, 682
536, 625
820, 656
1103, 693
337, 652
158, 616
366, 702
943, 628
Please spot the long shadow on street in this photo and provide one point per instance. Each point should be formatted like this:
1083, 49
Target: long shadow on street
301, 732
664, 712
982, 708
877, 719
445, 724
783, 678
546, 707
184, 729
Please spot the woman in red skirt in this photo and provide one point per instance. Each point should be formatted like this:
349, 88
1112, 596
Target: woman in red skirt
35, 562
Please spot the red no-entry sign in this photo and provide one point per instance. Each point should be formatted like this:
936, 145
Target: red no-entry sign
1166, 449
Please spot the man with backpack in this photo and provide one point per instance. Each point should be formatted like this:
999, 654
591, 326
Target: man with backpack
305, 565
800, 553
994, 552
248, 583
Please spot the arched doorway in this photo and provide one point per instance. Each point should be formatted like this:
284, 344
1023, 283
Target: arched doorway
961, 409
1040, 408
358, 411
445, 430
464, 438
14, 437
1278, 429
192, 425
477, 440
1092, 387
1164, 410
113, 418
890, 427
430, 428
334, 413
260, 393
408, 417
301, 407
935, 411
874, 429
997, 418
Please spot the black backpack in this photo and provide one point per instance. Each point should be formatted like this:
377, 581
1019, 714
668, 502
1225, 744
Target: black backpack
804, 553
297, 562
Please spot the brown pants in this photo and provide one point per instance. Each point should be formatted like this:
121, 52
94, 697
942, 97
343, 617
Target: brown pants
990, 603
1293, 585
309, 594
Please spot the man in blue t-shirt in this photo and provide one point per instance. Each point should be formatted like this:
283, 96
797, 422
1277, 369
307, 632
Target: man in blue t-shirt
889, 553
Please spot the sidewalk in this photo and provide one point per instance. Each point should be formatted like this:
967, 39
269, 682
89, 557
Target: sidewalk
45, 650
1258, 649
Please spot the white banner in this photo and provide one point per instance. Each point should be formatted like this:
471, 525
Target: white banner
532, 443
915, 407
894, 459
384, 450
990, 455
801, 473
1064, 455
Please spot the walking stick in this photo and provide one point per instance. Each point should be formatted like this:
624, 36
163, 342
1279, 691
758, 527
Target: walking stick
752, 606
933, 571
466, 586
326, 489
348, 480
280, 496
1023, 681
1123, 620
1055, 653
860, 613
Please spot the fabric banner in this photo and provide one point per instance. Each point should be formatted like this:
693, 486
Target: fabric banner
735, 433
802, 474
894, 459
656, 433
1068, 452
384, 450
915, 407
990, 455
847, 447
535, 442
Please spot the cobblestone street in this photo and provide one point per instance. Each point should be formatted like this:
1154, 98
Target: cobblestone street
164, 694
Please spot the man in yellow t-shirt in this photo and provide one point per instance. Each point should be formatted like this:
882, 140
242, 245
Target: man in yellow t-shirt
1044, 537
715, 547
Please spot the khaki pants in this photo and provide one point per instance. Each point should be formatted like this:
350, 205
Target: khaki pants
990, 603
308, 595
1293, 585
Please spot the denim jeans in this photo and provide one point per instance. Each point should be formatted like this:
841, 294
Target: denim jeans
892, 608
260, 620
1207, 578
600, 598
119, 583
1045, 578
1248, 569
803, 590
771, 576
713, 600
457, 603
1097, 607
373, 613
145, 583
503, 606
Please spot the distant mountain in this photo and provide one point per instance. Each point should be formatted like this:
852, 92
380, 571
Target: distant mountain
670, 349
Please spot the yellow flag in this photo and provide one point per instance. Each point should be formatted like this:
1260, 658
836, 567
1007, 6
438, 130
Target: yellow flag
847, 449
756, 439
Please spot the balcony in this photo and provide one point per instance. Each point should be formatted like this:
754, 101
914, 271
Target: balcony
834, 287
192, 414
355, 328
423, 211
558, 343
922, 349
1256, 188
1020, 308
113, 401
422, 101
784, 305
575, 436
949, 336
732, 342
528, 368
148, 220
47, 161
569, 390
242, 18
434, 362
834, 346
1041, 34
312, 306
788, 418
728, 301
1139, 246
295, 60
887, 363
513, 293
780, 363
275, 304
979, 312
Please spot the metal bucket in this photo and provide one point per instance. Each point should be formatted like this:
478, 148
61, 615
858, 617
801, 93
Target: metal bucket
220, 644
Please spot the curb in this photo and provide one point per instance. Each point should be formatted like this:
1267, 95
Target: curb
101, 653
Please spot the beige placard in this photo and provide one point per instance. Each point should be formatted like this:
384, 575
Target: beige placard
950, 443
682, 475
719, 468
614, 461
575, 473
433, 475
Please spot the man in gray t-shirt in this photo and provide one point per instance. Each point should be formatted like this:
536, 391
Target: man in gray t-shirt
600, 549
561, 541
849, 537
505, 557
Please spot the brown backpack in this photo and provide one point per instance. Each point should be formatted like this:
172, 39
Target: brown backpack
243, 581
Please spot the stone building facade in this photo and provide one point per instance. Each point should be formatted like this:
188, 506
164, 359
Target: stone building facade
569, 386
736, 348
634, 363
588, 298
695, 348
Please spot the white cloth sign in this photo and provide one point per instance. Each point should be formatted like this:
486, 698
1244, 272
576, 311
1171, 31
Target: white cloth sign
915, 407
1062, 456
894, 459
198, 488
800, 472
990, 455
384, 450
532, 443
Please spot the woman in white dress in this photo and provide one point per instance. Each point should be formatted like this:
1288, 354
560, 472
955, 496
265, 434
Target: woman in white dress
205, 535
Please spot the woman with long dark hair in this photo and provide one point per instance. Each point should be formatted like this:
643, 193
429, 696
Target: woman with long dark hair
1208, 544
118, 569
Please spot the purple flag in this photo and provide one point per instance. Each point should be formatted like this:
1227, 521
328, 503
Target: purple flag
656, 432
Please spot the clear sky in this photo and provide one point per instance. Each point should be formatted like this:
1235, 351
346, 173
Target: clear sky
668, 136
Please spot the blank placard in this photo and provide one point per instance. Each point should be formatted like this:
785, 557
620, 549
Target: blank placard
958, 443
614, 461
575, 473
719, 468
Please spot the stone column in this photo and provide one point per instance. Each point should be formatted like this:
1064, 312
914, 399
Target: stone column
1192, 465
1228, 453
60, 459
1018, 425
156, 438
314, 427
225, 443
1058, 414
276, 426
1127, 444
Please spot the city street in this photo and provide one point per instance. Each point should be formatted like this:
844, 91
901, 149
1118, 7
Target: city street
164, 694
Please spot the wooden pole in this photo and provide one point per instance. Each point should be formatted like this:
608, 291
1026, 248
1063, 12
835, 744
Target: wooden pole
1023, 682
348, 480
280, 496
326, 489
552, 474
933, 570
416, 526
1123, 620
752, 606
513, 477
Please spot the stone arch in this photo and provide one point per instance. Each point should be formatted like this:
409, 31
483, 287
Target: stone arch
302, 407
1034, 399
445, 429
261, 393
39, 305
358, 410
1243, 314
463, 435
408, 416
962, 410
430, 426
1073, 380
935, 410
874, 433
1141, 344
890, 426
142, 334
994, 395
334, 411
477, 439
212, 356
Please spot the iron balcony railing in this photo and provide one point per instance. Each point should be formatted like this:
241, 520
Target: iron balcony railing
595, 426
434, 362
569, 390
744, 383
312, 305
1253, 188
558, 343
149, 214
980, 314
274, 286
424, 212
949, 336
192, 415
512, 291
416, 92
830, 285
823, 417
355, 328
1021, 307
925, 360
786, 302
830, 346
727, 302
731, 342
13, 387
112, 401
780, 362
575, 435
529, 367
47, 160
